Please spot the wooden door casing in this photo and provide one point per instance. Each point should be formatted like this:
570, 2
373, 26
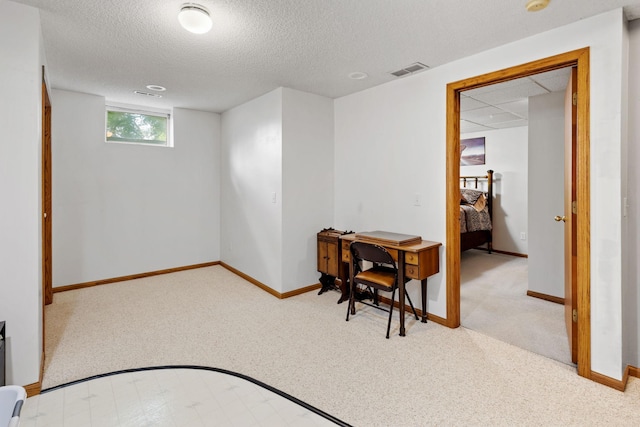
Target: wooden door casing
570, 246
579, 58
47, 274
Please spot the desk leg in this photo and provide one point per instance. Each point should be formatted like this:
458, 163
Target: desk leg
344, 282
401, 290
423, 285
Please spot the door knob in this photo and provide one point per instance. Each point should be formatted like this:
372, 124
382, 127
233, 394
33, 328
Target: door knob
560, 218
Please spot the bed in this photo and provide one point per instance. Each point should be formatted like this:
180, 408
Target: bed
476, 209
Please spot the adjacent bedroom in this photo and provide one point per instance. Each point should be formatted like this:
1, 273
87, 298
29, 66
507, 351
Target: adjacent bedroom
511, 209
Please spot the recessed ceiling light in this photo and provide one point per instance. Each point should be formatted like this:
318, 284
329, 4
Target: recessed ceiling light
195, 18
157, 88
536, 5
358, 75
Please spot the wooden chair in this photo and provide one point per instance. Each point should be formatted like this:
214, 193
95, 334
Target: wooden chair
381, 276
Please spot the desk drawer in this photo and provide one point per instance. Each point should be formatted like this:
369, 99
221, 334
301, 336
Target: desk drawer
346, 255
411, 258
422, 264
412, 271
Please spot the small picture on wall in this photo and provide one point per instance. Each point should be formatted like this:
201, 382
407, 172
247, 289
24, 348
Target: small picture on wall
472, 151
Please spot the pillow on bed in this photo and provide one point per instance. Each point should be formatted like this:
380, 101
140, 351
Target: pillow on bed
470, 196
481, 203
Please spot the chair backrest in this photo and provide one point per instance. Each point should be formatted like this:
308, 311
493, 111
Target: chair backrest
372, 253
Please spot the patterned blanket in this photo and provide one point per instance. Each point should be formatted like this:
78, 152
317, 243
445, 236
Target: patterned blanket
472, 220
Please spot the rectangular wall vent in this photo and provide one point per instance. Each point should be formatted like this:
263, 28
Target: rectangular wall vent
410, 69
139, 92
401, 73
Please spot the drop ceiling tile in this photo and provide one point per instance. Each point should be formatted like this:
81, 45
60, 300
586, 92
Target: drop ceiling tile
480, 114
525, 89
511, 124
467, 127
500, 118
553, 83
467, 103
491, 88
519, 107
562, 72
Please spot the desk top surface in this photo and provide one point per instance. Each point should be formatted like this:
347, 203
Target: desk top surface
369, 237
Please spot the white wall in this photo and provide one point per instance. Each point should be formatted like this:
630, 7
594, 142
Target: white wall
631, 291
398, 130
121, 209
277, 186
546, 193
251, 176
506, 154
21, 190
307, 157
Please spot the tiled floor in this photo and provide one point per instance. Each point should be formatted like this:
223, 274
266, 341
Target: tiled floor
166, 397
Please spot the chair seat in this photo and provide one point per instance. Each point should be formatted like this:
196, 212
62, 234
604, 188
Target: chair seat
382, 276
378, 277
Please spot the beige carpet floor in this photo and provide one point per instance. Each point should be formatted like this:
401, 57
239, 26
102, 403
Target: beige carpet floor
304, 347
494, 301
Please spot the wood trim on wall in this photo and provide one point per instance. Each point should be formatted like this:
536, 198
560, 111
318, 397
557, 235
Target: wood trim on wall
583, 165
267, 288
131, 277
498, 251
580, 59
546, 297
301, 291
190, 267
436, 319
620, 385
35, 388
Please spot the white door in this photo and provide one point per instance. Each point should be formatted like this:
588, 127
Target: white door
546, 194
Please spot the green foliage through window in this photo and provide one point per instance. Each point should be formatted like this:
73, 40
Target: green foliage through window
135, 127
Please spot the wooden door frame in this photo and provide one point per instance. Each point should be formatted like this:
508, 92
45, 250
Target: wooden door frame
47, 286
47, 265
579, 59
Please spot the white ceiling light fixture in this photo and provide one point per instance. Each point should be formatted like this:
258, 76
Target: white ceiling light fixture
536, 5
195, 18
358, 75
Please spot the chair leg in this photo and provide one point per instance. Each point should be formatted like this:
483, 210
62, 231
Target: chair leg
411, 304
393, 299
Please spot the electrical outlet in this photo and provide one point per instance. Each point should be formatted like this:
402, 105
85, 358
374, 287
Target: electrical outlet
523, 236
416, 199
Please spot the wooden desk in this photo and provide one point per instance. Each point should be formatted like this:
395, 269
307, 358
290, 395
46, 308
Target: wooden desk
415, 261
330, 264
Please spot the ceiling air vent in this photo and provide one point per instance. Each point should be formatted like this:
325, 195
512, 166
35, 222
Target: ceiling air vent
139, 92
410, 69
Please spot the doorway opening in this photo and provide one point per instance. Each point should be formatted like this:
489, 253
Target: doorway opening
515, 292
580, 296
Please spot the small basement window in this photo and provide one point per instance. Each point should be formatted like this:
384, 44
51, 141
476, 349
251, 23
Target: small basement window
131, 126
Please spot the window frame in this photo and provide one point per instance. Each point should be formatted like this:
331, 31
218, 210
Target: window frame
148, 111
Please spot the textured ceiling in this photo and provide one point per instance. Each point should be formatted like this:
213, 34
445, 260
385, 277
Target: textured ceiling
113, 47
